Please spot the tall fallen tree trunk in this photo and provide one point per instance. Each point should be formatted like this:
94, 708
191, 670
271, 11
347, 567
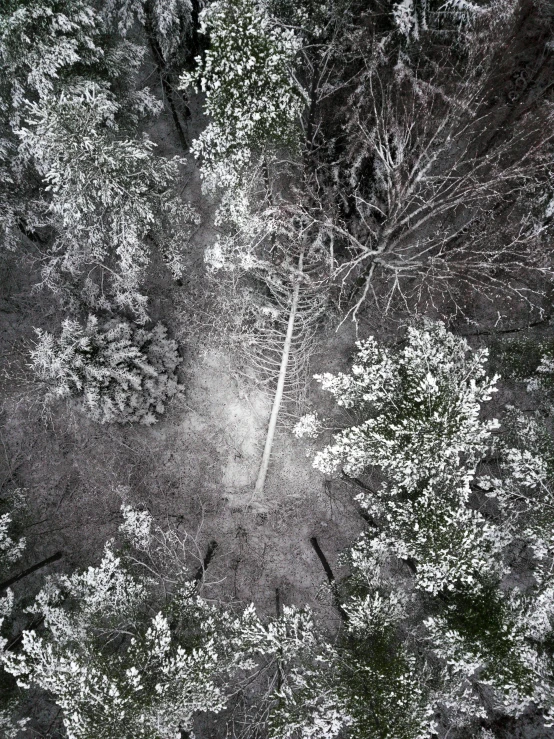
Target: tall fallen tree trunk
278, 398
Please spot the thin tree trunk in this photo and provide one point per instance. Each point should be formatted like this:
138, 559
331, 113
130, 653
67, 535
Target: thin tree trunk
39, 565
277, 400
330, 577
212, 546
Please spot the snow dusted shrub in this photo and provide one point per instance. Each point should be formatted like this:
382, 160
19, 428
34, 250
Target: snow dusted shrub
124, 374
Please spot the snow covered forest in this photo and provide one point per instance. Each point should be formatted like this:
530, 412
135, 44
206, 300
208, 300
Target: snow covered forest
276, 369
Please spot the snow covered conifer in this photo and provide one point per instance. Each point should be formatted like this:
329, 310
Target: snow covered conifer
11, 545
170, 20
106, 191
454, 518
124, 374
126, 651
150, 686
39, 41
46, 45
418, 408
70, 108
252, 97
11, 549
418, 426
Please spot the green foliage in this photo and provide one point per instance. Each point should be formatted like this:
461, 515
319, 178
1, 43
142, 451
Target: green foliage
519, 358
248, 76
483, 621
530, 361
383, 690
124, 374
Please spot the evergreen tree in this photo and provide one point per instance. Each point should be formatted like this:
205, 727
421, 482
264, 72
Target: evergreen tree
125, 375
485, 641
168, 21
253, 99
70, 110
130, 649
106, 191
11, 550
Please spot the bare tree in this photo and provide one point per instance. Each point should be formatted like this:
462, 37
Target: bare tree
437, 185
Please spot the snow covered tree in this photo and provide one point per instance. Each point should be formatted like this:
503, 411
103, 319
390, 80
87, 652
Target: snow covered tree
418, 430
106, 191
412, 180
124, 374
420, 407
368, 680
11, 550
419, 426
130, 651
253, 99
150, 686
48, 44
42, 41
71, 109
169, 21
